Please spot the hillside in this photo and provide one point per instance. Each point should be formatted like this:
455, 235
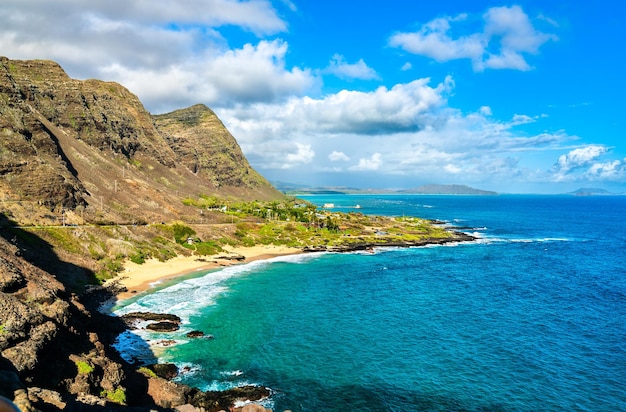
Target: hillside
88, 151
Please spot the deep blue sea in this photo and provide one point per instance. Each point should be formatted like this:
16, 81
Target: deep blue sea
531, 317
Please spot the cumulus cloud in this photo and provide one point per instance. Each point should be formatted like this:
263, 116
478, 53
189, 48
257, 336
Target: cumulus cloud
579, 157
409, 126
336, 156
255, 15
403, 108
507, 36
359, 70
612, 170
433, 41
173, 54
304, 154
252, 73
369, 164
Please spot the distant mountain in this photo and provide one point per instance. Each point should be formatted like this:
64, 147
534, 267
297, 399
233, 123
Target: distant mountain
433, 189
587, 191
294, 188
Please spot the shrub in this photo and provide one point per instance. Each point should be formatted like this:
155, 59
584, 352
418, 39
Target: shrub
138, 258
182, 232
117, 396
147, 372
84, 368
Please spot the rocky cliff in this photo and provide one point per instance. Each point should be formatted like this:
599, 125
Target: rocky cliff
74, 153
90, 148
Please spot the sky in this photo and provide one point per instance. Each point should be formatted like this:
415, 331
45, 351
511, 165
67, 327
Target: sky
515, 97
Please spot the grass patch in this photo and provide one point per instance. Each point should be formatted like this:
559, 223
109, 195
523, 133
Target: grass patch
84, 368
147, 372
117, 396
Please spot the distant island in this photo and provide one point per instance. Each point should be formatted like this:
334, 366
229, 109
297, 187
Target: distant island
590, 191
430, 189
448, 190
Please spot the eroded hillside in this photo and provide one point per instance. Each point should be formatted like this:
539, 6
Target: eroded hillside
88, 151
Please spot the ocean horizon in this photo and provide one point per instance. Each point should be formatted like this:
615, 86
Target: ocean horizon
530, 316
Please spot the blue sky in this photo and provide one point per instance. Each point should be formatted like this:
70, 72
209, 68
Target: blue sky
516, 97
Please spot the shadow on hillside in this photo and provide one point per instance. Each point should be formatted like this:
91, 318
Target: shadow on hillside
41, 254
76, 335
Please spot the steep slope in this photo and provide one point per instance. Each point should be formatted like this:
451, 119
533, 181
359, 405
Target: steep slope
221, 159
88, 151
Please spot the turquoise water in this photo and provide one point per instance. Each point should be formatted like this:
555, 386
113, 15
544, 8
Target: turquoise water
530, 317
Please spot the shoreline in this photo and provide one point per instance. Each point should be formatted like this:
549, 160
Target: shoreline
138, 278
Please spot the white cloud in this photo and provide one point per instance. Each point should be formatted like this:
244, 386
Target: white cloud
579, 157
369, 164
521, 119
250, 74
409, 126
336, 156
612, 170
433, 41
304, 154
358, 70
255, 15
507, 36
172, 54
485, 110
406, 67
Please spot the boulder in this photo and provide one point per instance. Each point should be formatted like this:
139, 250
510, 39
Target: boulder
165, 326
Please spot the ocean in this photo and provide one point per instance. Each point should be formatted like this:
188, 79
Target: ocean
530, 317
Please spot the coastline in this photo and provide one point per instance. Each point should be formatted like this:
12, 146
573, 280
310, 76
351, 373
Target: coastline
137, 278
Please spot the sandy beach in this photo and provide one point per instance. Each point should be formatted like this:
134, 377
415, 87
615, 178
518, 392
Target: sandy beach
138, 278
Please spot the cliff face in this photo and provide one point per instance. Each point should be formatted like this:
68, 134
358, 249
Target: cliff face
90, 148
220, 160
51, 345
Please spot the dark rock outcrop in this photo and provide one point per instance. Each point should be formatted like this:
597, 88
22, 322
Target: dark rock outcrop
163, 326
151, 316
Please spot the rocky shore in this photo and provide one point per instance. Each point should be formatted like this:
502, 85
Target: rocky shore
56, 348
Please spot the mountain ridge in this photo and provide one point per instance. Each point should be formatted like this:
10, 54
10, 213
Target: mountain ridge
91, 146
432, 189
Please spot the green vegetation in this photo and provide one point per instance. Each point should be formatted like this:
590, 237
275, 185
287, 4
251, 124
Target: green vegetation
291, 222
117, 396
84, 368
147, 372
